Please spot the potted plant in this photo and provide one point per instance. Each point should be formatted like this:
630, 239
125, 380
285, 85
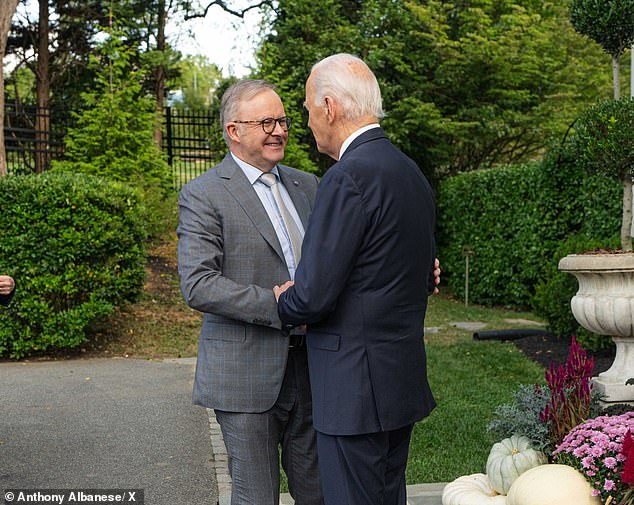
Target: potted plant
604, 141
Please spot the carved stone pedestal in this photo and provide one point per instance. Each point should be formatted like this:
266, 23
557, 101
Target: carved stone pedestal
604, 304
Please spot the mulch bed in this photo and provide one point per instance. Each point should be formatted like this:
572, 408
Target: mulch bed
547, 349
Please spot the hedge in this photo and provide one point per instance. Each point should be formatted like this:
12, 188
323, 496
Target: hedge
514, 219
75, 246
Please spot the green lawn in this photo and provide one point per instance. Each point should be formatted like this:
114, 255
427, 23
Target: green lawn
469, 378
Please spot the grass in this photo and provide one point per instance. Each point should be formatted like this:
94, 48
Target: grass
469, 378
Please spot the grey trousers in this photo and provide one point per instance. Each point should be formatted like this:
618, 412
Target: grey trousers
253, 441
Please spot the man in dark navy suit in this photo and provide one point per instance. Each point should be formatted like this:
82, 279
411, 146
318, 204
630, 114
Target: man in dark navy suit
362, 284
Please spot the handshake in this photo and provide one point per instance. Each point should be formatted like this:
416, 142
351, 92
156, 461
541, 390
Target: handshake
278, 290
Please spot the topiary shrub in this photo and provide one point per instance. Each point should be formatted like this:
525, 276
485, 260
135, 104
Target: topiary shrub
75, 246
603, 143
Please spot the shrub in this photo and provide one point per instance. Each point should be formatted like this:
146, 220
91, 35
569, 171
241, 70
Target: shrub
75, 245
514, 219
522, 416
113, 137
555, 289
545, 413
495, 214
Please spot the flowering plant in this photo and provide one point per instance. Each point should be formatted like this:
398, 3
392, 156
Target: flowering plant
570, 393
602, 450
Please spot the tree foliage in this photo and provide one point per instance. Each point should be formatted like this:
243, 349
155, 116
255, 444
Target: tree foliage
466, 85
610, 23
300, 36
113, 137
198, 81
75, 28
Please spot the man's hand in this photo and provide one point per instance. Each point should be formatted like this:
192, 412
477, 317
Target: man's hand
278, 290
7, 284
436, 275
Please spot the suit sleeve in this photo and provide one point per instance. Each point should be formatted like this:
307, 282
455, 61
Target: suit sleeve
329, 252
200, 260
6, 299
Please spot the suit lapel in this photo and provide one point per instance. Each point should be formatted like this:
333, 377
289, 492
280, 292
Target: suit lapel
240, 188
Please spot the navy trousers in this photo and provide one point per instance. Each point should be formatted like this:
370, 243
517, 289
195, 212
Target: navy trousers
366, 469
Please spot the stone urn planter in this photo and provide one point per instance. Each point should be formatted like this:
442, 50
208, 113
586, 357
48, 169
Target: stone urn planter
604, 304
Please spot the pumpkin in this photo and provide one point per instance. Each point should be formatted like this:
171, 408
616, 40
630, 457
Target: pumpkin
471, 490
510, 458
551, 485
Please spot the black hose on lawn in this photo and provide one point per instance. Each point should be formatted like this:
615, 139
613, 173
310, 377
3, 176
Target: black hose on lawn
508, 334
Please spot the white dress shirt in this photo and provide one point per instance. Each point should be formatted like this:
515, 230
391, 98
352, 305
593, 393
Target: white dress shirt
348, 141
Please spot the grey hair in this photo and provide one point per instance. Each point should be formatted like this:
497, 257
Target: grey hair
241, 91
358, 92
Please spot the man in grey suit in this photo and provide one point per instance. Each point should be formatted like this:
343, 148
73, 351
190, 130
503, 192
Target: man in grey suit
233, 246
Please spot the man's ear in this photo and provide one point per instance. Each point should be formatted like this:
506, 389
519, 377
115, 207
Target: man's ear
233, 132
331, 109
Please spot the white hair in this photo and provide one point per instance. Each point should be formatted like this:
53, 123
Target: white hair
348, 79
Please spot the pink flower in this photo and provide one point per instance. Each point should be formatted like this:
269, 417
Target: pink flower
602, 449
587, 461
597, 451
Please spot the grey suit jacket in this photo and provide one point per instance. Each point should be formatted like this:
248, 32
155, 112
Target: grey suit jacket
229, 258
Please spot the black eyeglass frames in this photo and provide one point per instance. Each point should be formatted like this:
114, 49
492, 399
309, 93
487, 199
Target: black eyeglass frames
268, 124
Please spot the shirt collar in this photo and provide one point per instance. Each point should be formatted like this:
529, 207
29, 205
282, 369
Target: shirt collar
349, 140
252, 173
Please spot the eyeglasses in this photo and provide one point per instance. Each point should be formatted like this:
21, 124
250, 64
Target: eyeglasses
268, 124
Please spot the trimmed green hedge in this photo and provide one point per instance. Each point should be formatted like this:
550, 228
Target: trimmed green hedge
75, 246
515, 219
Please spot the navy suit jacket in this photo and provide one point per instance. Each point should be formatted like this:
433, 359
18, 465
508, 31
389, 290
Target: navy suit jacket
362, 287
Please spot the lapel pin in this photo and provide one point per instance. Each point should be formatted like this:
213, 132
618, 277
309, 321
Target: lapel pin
296, 183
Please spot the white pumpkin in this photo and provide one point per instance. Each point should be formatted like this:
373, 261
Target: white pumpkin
551, 485
510, 458
471, 490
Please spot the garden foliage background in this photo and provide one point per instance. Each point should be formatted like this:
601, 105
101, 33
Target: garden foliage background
475, 92
518, 221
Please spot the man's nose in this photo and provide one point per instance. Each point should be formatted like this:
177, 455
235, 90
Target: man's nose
278, 129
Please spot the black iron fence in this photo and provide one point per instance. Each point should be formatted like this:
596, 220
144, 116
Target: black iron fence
33, 138
186, 143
